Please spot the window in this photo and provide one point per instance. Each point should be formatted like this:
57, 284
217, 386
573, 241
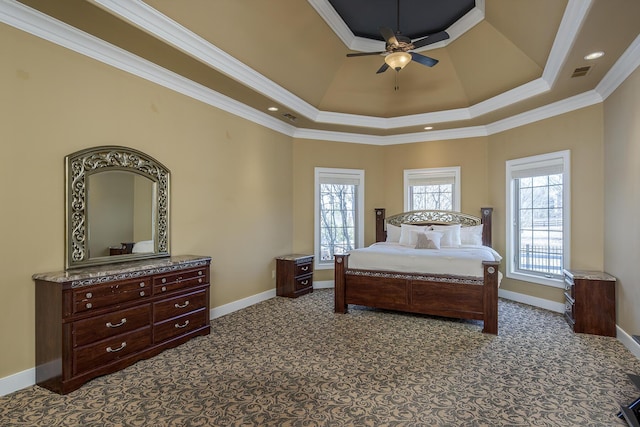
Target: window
538, 208
339, 213
435, 188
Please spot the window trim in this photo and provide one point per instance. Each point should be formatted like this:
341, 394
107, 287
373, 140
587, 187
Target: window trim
559, 157
427, 173
319, 173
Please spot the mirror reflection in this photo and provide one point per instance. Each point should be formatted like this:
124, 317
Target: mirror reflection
120, 213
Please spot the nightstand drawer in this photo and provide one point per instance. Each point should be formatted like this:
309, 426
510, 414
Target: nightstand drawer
303, 268
304, 282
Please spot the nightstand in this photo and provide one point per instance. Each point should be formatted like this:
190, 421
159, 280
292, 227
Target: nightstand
294, 275
590, 302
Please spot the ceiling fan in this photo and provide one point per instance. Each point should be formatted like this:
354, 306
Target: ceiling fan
398, 48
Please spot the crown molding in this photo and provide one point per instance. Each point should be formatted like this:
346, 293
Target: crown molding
624, 66
40, 25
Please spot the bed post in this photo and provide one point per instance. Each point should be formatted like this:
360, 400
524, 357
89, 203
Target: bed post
490, 297
340, 266
486, 221
381, 234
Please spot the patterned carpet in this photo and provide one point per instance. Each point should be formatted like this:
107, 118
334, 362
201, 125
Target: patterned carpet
290, 362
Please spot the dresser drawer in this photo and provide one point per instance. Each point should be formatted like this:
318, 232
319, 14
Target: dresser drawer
108, 325
304, 268
179, 325
179, 305
180, 280
93, 297
110, 350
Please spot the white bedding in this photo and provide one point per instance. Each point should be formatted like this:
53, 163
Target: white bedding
465, 260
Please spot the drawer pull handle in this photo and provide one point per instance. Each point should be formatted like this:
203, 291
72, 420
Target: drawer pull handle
89, 295
117, 325
176, 305
305, 282
305, 268
113, 350
177, 325
89, 305
164, 289
141, 293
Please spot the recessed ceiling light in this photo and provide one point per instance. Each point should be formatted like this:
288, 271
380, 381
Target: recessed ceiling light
428, 127
272, 108
594, 55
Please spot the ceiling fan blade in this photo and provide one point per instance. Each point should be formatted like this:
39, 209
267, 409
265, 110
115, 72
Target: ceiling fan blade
433, 38
424, 60
383, 68
389, 36
350, 55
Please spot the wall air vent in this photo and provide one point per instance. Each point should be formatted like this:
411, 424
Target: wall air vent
290, 116
581, 71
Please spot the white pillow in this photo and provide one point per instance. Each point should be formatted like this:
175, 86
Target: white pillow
408, 233
393, 233
143, 247
471, 235
429, 240
451, 236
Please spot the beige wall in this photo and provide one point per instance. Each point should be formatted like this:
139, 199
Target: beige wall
231, 187
622, 199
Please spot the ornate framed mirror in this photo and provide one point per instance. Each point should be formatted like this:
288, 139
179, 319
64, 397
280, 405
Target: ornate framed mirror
117, 206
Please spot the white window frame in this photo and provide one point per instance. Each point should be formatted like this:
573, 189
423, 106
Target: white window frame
549, 161
413, 175
323, 174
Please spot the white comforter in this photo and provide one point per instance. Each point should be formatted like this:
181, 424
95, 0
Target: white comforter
465, 260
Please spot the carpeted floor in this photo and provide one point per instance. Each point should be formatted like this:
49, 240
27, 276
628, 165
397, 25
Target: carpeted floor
289, 362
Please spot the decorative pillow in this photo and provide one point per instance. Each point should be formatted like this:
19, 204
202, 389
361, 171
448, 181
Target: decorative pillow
142, 247
393, 233
429, 240
471, 235
451, 236
408, 233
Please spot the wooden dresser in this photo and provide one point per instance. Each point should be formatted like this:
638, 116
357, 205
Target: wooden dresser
294, 275
97, 320
590, 302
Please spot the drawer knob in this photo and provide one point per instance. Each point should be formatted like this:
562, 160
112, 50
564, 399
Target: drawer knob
186, 303
164, 280
141, 293
113, 350
89, 295
199, 273
184, 325
142, 284
163, 289
199, 280
117, 325
89, 305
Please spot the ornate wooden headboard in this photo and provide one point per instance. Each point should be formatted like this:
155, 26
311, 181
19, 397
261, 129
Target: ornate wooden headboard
432, 217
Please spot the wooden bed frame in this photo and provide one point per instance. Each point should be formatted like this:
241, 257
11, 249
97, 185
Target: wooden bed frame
439, 295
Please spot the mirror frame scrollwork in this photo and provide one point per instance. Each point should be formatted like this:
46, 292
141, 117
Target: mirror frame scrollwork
80, 165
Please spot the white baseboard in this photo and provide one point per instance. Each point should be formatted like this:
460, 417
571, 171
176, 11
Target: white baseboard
242, 303
627, 340
558, 307
17, 381
325, 284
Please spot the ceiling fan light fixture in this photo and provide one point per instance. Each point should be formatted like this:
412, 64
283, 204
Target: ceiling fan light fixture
397, 60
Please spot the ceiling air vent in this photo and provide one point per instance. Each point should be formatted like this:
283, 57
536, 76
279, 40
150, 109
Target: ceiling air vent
290, 116
581, 71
